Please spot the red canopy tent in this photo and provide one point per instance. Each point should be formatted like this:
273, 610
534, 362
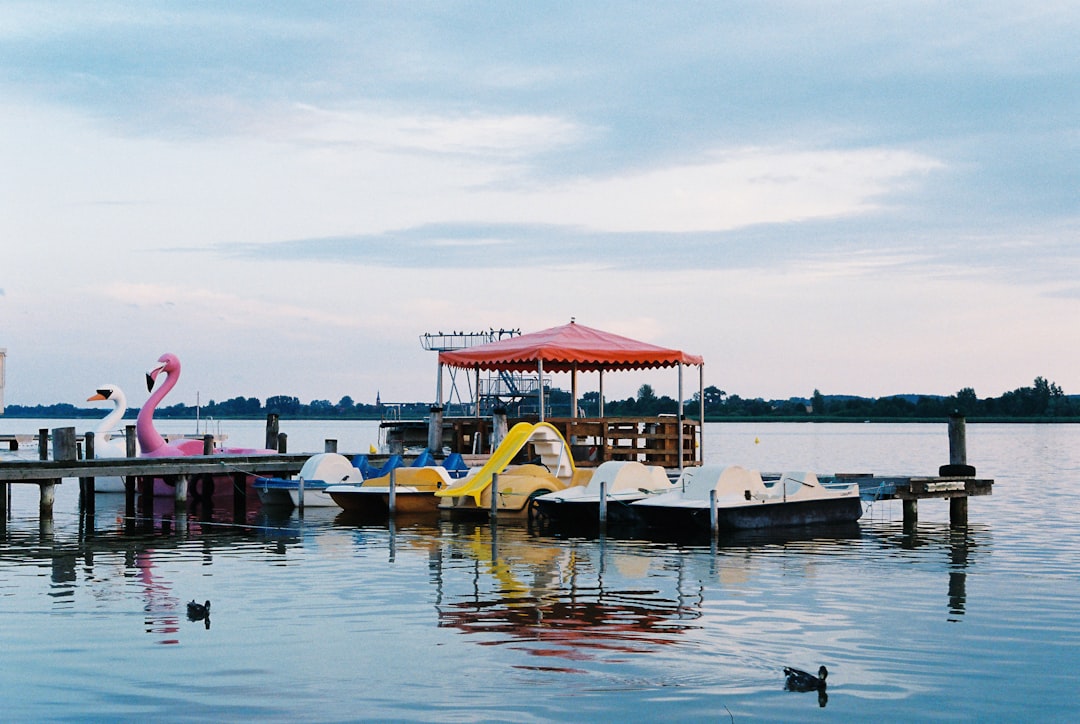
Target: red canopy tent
571, 348
568, 348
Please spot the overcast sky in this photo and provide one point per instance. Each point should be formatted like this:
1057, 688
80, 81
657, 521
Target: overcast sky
862, 198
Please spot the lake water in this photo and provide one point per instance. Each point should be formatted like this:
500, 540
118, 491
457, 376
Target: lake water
316, 618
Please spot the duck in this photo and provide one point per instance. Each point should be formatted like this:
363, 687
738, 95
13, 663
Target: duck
799, 680
198, 611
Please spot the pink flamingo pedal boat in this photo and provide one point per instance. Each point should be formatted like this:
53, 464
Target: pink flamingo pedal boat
153, 445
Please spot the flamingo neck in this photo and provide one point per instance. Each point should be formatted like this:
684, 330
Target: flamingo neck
149, 438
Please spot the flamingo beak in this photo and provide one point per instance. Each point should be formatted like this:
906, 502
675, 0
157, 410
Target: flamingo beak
152, 375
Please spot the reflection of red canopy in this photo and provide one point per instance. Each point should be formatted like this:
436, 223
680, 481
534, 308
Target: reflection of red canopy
566, 348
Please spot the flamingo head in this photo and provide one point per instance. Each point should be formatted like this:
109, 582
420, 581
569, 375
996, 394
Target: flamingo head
105, 392
167, 363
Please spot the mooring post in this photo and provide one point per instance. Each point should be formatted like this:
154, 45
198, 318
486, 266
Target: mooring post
129, 441
86, 485
434, 435
494, 496
714, 519
239, 481
603, 501
911, 514
957, 439
208, 444
958, 506
63, 449
330, 446
272, 431
282, 442
300, 494
43, 443
392, 498
180, 492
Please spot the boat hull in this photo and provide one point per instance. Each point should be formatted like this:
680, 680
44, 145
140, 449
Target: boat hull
584, 513
844, 509
369, 501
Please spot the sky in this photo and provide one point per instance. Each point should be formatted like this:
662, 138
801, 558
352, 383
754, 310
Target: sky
857, 198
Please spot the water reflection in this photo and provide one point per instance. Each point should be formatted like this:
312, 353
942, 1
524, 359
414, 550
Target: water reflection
959, 543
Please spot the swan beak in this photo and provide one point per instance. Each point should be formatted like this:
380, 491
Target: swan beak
98, 396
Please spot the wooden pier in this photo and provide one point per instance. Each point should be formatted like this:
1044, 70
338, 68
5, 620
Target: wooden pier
956, 482
138, 473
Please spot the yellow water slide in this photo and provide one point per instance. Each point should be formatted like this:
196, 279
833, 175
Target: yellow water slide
549, 444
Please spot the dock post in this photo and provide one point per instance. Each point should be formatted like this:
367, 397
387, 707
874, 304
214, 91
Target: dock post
207, 444
272, 431
392, 498
300, 494
958, 511
239, 481
86, 485
911, 514
434, 434
958, 506
282, 443
129, 441
957, 439
63, 449
330, 446
714, 519
494, 496
603, 501
180, 492
43, 443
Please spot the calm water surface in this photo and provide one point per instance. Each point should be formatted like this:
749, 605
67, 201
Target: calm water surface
319, 618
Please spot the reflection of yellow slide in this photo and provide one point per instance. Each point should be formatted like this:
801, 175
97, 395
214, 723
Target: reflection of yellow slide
548, 443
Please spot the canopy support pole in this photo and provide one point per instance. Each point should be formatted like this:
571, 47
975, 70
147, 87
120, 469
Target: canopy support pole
478, 392
701, 413
573, 391
601, 411
438, 386
540, 385
680, 418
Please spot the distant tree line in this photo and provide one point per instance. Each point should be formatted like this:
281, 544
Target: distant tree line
1044, 400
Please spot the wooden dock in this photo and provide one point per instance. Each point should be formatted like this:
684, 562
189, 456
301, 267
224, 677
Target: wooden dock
179, 471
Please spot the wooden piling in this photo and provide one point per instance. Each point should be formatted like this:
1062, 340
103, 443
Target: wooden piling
272, 424
130, 439
282, 443
180, 492
434, 437
911, 513
957, 439
64, 448
494, 496
392, 497
958, 511
958, 506
208, 445
86, 485
714, 518
603, 501
239, 481
330, 446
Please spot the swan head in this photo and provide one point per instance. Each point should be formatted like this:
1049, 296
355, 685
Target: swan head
167, 363
105, 392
